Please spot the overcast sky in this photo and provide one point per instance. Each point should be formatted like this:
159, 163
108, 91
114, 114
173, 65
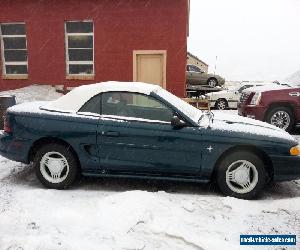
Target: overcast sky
253, 39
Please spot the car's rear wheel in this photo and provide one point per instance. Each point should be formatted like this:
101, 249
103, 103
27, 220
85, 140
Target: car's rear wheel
221, 104
56, 166
281, 117
212, 82
241, 175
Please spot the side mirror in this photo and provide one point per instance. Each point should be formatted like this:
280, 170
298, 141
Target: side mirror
176, 123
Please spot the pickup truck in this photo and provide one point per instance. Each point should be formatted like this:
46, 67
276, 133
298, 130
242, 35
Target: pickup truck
279, 105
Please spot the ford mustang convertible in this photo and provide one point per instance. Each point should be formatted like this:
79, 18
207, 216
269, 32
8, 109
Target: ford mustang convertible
138, 130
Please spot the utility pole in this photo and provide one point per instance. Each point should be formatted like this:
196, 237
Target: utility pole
216, 65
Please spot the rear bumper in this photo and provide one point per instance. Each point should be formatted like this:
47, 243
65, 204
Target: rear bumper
286, 168
221, 82
255, 112
13, 148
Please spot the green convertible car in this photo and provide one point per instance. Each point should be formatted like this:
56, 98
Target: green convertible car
138, 130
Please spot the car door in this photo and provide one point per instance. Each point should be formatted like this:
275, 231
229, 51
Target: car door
83, 134
136, 137
195, 75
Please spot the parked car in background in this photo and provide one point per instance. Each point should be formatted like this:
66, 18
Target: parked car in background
195, 76
228, 98
279, 105
139, 130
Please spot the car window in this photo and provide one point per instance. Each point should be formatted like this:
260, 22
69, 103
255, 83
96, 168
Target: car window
134, 105
244, 87
92, 105
194, 68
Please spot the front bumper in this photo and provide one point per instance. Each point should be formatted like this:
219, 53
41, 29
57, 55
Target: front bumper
255, 112
14, 148
286, 168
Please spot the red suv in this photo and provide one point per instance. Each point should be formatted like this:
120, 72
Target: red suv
279, 106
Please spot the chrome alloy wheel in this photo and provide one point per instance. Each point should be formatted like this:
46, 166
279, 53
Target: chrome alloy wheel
54, 167
241, 176
281, 119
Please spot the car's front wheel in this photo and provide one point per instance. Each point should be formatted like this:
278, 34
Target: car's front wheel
241, 175
56, 166
281, 117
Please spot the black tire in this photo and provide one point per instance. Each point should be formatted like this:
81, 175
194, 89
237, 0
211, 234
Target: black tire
221, 104
287, 111
230, 161
73, 166
212, 82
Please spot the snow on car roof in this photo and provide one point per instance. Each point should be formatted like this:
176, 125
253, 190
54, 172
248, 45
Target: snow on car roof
74, 100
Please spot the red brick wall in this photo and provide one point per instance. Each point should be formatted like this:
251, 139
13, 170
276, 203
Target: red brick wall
120, 26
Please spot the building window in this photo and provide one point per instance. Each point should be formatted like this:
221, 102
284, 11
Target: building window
14, 50
79, 48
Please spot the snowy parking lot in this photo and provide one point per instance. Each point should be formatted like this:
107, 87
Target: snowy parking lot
134, 214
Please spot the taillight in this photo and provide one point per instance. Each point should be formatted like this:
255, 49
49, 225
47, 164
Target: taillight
6, 126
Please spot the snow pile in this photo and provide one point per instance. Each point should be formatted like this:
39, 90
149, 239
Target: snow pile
34, 93
294, 78
113, 214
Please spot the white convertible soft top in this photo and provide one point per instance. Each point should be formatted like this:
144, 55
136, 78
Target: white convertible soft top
74, 100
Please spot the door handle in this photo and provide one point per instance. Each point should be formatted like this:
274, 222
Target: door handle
110, 133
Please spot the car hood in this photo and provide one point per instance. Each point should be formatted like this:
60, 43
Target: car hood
250, 128
266, 88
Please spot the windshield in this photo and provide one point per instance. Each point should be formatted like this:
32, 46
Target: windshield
181, 105
289, 84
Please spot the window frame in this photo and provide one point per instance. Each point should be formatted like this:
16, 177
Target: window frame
68, 62
135, 119
5, 75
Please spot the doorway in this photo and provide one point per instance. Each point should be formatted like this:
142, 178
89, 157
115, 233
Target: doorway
150, 66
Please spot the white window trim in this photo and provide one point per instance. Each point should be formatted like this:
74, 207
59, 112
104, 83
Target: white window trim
4, 63
67, 35
132, 119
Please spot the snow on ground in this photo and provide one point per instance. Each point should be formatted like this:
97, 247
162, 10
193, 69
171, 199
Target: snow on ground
136, 214
33, 93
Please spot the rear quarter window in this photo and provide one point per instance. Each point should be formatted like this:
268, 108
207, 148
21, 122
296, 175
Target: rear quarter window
92, 106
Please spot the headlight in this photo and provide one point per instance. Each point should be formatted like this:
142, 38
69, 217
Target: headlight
255, 99
295, 150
